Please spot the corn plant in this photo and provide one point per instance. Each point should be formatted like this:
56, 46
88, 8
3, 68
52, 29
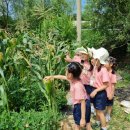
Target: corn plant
26, 60
3, 89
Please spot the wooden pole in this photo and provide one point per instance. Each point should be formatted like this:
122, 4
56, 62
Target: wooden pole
78, 20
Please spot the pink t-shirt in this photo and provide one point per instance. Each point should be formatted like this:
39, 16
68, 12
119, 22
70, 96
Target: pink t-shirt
86, 74
112, 81
76, 59
100, 77
78, 92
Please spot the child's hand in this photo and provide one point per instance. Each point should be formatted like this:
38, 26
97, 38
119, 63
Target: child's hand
48, 78
110, 97
67, 53
82, 122
93, 94
67, 58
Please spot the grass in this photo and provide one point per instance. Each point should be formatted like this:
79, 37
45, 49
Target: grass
125, 82
119, 120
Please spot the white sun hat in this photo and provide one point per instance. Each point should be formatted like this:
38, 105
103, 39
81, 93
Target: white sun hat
101, 54
83, 50
77, 49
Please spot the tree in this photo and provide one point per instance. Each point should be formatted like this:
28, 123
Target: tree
4, 11
108, 19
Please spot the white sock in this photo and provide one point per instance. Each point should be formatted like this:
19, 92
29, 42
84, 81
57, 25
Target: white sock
104, 128
92, 109
108, 118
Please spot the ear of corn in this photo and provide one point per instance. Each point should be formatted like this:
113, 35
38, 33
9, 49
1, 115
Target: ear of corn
48, 86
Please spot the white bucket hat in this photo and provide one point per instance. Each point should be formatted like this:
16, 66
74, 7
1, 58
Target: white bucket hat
101, 54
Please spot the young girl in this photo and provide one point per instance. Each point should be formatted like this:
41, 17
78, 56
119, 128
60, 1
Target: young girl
81, 102
87, 69
83, 55
110, 65
99, 81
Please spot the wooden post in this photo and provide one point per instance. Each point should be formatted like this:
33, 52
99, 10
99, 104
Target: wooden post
78, 20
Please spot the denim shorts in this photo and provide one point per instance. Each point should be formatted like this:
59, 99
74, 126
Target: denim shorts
77, 112
109, 102
89, 90
99, 101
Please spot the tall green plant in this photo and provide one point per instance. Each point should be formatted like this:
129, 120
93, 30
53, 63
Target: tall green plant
45, 120
27, 59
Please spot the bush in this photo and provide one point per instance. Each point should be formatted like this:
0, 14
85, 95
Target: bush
128, 117
61, 98
125, 75
91, 38
31, 120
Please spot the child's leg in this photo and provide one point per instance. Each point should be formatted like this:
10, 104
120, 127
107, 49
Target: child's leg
109, 110
101, 115
77, 127
97, 119
108, 113
88, 126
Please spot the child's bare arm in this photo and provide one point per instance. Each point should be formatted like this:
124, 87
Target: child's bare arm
103, 87
62, 77
83, 111
113, 88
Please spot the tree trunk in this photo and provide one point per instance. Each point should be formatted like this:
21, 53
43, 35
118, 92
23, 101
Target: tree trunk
78, 20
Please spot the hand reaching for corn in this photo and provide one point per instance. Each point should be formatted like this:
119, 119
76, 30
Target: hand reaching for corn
48, 78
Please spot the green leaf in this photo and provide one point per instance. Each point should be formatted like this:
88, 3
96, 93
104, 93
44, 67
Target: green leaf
38, 75
1, 103
1, 73
36, 67
24, 40
3, 95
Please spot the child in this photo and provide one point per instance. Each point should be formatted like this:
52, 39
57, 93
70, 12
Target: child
86, 73
87, 68
81, 110
110, 65
99, 80
83, 55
